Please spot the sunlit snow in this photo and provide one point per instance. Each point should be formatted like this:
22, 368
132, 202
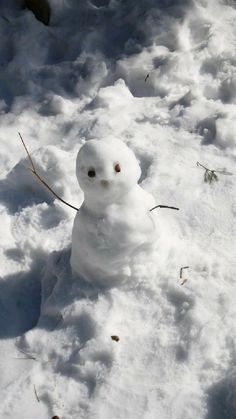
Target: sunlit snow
161, 77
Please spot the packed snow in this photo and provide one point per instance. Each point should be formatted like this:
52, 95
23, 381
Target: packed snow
157, 78
114, 225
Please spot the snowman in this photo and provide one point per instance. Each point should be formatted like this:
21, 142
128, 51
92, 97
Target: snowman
114, 224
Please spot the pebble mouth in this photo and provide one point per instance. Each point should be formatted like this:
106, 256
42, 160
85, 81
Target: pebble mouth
105, 183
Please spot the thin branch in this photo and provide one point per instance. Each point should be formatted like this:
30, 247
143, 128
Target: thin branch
164, 206
31, 161
222, 171
184, 281
36, 395
201, 165
34, 171
181, 271
51, 190
28, 356
5, 18
210, 174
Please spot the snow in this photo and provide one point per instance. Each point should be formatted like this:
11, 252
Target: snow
160, 77
114, 224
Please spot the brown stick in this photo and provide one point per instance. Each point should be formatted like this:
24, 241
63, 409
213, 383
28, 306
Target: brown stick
31, 161
221, 171
36, 395
28, 356
164, 206
34, 171
184, 281
181, 271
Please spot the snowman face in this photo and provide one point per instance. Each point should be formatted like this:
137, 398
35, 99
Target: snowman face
106, 169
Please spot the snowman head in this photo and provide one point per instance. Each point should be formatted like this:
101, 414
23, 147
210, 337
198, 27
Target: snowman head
106, 170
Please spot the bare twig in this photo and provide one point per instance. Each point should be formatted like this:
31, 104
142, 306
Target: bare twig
28, 356
181, 271
33, 170
210, 174
164, 206
184, 281
36, 395
31, 161
5, 18
201, 165
181, 274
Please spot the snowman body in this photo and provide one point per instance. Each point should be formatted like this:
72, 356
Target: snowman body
114, 224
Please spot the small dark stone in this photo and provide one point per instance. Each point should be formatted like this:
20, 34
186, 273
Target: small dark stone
91, 173
117, 168
115, 338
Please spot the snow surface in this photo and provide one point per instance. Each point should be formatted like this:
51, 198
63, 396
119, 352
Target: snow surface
159, 75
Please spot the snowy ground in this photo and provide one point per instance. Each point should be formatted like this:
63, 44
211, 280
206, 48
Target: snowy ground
160, 75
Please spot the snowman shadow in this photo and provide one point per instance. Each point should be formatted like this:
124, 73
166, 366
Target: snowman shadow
61, 289
68, 308
20, 297
221, 398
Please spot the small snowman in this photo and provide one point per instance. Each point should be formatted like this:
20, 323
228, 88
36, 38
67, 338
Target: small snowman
114, 224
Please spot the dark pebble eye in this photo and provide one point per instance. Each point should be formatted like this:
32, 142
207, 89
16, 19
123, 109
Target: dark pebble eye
117, 168
91, 173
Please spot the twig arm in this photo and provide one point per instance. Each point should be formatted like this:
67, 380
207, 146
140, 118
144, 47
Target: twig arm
164, 206
34, 171
51, 190
31, 161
